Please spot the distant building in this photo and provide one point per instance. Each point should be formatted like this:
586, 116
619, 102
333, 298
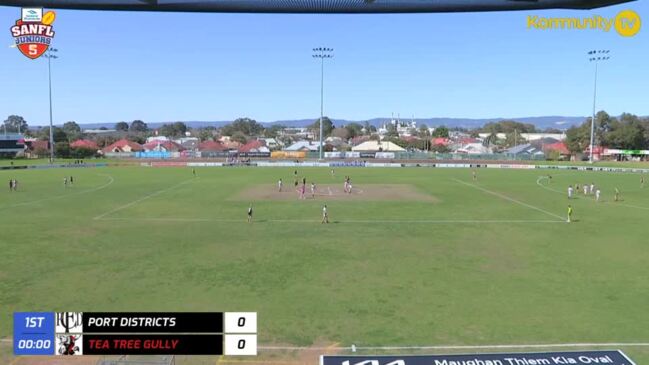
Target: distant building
529, 136
123, 145
163, 146
474, 149
12, 144
188, 143
306, 146
272, 143
85, 143
524, 149
212, 146
254, 146
378, 146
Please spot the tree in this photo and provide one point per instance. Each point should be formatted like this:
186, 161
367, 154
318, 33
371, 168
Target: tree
354, 129
514, 139
82, 152
15, 124
327, 127
239, 137
205, 134
62, 149
423, 131
58, 134
121, 127
578, 138
342, 133
368, 128
138, 126
392, 131
173, 130
627, 133
273, 131
508, 126
72, 130
245, 126
441, 132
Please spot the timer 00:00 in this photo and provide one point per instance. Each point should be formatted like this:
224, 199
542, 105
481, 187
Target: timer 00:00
31, 344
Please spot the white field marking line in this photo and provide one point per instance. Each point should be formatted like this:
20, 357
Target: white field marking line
142, 199
512, 200
559, 192
429, 221
110, 181
464, 347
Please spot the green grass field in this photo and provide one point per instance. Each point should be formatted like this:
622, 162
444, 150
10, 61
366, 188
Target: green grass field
487, 262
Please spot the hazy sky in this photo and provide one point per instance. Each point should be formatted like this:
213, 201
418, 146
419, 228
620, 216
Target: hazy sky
160, 67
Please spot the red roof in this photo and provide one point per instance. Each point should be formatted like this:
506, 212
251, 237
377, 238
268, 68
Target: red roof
409, 138
211, 146
119, 146
252, 145
467, 140
557, 146
84, 143
440, 141
596, 150
37, 144
359, 139
169, 146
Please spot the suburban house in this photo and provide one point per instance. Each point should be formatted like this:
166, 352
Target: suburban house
85, 143
123, 145
378, 146
163, 146
254, 146
212, 146
304, 146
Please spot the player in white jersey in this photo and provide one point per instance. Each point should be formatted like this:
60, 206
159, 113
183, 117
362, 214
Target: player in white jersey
586, 189
592, 188
597, 193
279, 185
325, 214
570, 192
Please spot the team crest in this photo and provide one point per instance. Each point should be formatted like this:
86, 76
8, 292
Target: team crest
33, 32
69, 345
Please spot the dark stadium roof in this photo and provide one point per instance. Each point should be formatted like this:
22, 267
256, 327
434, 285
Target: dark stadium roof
315, 6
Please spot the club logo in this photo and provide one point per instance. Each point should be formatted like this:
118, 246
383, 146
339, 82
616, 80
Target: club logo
33, 32
69, 345
69, 322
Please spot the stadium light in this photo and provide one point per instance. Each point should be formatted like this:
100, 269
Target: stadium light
595, 56
49, 57
322, 53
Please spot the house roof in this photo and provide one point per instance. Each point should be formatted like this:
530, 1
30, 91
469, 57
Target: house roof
211, 146
123, 143
84, 143
39, 144
557, 146
303, 145
526, 148
252, 145
441, 141
378, 146
167, 145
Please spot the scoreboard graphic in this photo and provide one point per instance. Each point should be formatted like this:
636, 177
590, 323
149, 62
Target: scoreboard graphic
148, 333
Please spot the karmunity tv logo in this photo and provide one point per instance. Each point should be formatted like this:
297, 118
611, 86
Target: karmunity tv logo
626, 23
33, 32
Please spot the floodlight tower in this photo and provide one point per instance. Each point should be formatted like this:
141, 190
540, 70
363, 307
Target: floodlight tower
595, 56
49, 57
322, 53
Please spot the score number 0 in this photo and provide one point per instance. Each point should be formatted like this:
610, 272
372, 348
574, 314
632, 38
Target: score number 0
240, 330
